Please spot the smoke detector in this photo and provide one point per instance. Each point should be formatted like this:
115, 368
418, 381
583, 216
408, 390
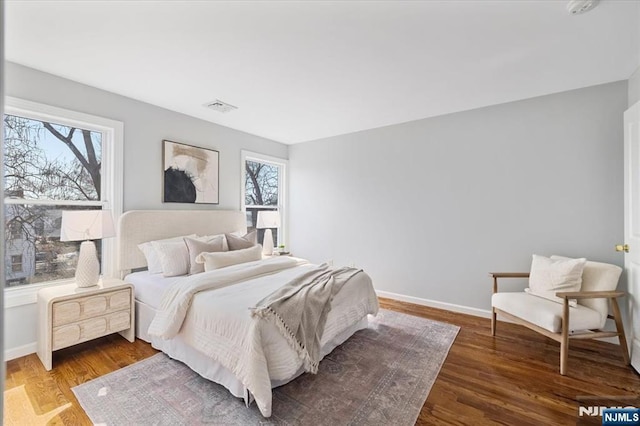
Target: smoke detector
220, 106
576, 7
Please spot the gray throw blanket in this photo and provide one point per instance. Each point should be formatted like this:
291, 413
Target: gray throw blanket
299, 309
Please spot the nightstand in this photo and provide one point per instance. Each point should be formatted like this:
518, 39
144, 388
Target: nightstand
68, 315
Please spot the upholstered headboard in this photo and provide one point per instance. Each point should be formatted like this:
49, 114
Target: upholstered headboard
139, 226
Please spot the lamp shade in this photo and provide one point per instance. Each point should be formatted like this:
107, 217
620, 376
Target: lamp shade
82, 225
268, 219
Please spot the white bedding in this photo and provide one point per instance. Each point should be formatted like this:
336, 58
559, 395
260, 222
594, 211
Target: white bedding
150, 288
216, 321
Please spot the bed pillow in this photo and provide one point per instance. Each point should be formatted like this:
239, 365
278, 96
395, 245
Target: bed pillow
213, 261
195, 246
207, 238
174, 257
551, 275
238, 243
151, 255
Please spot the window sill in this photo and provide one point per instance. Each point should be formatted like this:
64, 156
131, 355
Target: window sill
28, 294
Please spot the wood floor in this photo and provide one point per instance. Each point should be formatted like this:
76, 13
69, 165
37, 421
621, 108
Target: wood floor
511, 379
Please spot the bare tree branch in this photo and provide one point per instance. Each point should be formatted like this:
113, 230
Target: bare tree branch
94, 164
69, 143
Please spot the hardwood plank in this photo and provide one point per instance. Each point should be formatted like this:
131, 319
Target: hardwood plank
508, 379
72, 366
514, 378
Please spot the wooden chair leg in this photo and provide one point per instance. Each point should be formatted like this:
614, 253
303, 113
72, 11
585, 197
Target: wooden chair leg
493, 310
564, 356
564, 343
617, 317
493, 321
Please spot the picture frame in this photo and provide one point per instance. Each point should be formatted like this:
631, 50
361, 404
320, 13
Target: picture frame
191, 174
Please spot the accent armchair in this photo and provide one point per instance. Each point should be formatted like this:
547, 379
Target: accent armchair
561, 321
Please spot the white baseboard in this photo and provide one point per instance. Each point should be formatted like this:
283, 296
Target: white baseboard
459, 308
13, 353
436, 304
31, 348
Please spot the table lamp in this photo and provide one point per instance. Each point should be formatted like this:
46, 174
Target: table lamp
268, 220
85, 226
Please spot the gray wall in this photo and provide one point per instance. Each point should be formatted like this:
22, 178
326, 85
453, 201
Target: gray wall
429, 207
634, 87
634, 80
145, 126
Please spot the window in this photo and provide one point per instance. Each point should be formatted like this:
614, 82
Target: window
16, 263
15, 230
264, 189
55, 160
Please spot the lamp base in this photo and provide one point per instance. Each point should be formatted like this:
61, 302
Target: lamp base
88, 268
267, 243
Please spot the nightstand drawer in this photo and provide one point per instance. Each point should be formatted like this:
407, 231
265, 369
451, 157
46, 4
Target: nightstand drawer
71, 334
120, 300
119, 321
66, 312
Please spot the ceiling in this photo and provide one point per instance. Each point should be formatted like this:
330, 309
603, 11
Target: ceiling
299, 71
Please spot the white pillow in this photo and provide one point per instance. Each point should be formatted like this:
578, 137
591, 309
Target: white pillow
153, 259
195, 246
174, 257
551, 275
219, 260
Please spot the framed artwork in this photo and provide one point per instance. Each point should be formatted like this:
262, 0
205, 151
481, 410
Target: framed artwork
191, 174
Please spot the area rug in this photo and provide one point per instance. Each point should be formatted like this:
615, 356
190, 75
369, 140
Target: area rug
380, 376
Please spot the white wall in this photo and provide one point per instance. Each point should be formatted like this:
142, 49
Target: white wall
145, 126
428, 207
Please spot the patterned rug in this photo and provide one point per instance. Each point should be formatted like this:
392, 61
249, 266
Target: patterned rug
380, 376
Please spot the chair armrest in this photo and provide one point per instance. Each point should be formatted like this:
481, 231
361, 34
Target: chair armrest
496, 275
589, 294
509, 274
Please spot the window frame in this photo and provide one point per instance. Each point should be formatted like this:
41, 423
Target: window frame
283, 185
112, 189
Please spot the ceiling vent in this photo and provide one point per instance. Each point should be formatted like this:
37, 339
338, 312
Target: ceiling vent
576, 7
220, 106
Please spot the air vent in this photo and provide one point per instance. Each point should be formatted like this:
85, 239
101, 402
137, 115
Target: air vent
220, 106
576, 7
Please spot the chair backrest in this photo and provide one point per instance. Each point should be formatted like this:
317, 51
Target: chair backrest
598, 276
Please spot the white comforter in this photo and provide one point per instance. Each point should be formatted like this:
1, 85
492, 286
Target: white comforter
211, 312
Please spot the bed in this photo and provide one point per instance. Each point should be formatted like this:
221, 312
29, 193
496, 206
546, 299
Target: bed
213, 330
